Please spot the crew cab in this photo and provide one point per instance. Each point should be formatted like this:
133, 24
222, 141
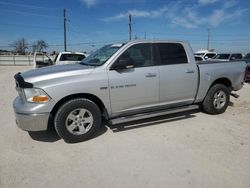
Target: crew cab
121, 83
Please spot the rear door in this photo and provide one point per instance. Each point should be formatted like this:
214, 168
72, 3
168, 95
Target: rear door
135, 89
178, 77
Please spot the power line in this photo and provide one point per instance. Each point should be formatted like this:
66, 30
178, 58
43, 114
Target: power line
142, 2
110, 41
30, 26
79, 43
27, 6
29, 13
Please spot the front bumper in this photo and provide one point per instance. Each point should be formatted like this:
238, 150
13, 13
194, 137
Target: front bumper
32, 122
31, 116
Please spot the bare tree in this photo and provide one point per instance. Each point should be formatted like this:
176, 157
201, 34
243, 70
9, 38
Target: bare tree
39, 46
20, 46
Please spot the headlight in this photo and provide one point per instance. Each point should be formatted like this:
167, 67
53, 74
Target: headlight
36, 95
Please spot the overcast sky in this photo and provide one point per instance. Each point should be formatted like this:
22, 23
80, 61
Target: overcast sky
93, 23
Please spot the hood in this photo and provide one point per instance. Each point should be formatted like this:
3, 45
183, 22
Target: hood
56, 71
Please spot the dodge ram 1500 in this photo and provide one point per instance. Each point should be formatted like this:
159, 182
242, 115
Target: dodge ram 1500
121, 83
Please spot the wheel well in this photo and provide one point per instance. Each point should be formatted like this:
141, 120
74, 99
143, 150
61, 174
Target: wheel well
91, 97
224, 81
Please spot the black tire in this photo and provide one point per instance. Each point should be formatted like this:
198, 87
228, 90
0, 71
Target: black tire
213, 105
77, 120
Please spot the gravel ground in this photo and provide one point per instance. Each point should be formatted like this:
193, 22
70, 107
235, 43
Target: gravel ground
189, 150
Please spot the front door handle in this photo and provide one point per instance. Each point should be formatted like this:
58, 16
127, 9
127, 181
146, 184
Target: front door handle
189, 71
150, 75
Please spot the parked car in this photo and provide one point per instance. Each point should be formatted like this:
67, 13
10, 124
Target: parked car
204, 55
69, 58
228, 57
42, 59
122, 83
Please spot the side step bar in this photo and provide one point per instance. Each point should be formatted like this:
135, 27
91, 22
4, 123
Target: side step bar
151, 114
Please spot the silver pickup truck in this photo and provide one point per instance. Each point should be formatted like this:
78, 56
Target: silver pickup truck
121, 83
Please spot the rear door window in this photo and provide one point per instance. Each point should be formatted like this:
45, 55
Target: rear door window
171, 53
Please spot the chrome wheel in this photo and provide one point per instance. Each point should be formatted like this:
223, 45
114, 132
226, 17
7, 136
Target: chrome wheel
219, 99
79, 121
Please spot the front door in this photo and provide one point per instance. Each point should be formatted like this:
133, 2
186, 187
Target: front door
137, 87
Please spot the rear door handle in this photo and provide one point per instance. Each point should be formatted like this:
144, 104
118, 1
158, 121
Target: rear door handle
150, 75
189, 71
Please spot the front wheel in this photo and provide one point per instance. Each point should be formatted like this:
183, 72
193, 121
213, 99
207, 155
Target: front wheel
77, 120
217, 99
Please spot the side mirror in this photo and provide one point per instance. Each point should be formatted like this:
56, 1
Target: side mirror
232, 58
206, 57
122, 64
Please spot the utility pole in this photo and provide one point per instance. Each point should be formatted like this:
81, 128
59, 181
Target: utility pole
208, 39
130, 26
65, 34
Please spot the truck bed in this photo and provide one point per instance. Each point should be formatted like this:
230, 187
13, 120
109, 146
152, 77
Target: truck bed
210, 71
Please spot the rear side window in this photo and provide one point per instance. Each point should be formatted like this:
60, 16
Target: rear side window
72, 57
172, 53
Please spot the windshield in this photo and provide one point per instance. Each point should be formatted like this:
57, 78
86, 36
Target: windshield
222, 56
100, 56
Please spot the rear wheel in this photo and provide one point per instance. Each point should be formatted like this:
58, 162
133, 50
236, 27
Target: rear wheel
77, 120
217, 99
